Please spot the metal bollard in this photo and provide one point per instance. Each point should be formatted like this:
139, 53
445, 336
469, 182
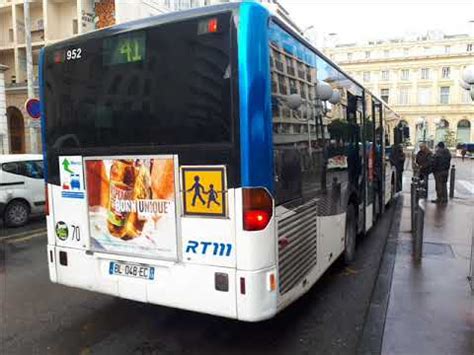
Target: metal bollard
413, 201
419, 229
452, 179
471, 272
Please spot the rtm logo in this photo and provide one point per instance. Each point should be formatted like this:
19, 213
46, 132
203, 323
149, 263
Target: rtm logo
220, 249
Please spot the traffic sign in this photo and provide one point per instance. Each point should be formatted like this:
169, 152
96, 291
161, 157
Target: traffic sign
32, 106
204, 191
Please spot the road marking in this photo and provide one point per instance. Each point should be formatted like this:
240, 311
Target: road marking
467, 186
24, 239
24, 235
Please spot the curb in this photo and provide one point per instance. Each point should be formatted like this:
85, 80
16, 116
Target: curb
371, 339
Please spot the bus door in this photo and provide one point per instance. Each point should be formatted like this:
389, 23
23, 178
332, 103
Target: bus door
370, 178
379, 159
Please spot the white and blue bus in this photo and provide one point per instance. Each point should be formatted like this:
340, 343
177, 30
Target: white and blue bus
210, 160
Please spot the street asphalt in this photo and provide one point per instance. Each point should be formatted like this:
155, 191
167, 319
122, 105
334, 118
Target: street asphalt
43, 318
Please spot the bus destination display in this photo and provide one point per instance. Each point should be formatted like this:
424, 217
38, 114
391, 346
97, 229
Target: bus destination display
123, 49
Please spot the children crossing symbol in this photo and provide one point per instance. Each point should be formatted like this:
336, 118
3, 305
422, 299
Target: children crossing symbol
204, 191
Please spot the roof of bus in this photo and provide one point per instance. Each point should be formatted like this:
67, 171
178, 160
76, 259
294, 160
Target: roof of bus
148, 21
195, 12
6, 158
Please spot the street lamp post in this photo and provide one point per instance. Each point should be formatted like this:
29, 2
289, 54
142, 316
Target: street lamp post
467, 81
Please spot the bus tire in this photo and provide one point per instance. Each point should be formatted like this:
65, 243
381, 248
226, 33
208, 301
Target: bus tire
350, 237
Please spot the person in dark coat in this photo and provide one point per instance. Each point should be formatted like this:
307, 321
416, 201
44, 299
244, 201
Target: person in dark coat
463, 152
441, 165
424, 161
397, 158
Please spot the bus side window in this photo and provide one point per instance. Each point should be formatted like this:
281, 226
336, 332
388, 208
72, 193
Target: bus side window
288, 172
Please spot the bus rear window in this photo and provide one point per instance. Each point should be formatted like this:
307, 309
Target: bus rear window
168, 85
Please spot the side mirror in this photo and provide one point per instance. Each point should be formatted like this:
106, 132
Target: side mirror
294, 101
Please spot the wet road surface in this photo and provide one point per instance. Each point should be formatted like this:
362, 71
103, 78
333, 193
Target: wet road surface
38, 317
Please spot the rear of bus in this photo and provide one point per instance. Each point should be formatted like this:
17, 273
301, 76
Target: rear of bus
158, 162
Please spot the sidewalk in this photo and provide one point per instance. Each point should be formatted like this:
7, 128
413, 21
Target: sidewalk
431, 307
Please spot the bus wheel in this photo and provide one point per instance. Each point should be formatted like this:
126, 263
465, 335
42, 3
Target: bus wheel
351, 235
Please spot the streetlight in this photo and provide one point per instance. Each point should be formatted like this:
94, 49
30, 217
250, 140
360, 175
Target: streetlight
467, 81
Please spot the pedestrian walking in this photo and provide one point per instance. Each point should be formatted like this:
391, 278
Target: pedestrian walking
397, 158
463, 152
441, 165
424, 162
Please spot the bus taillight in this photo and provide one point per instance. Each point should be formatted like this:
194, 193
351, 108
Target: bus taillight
46, 200
212, 25
257, 209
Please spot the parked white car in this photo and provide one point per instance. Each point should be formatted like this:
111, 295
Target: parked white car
22, 191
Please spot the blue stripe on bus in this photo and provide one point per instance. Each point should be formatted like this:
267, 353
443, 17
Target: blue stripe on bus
255, 97
43, 116
69, 194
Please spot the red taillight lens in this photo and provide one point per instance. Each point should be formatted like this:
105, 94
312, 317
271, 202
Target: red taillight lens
258, 209
212, 25
256, 220
46, 200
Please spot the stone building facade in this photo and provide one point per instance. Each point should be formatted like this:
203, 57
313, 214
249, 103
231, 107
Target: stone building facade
419, 78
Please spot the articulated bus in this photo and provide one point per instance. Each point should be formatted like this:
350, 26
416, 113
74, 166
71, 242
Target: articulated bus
192, 161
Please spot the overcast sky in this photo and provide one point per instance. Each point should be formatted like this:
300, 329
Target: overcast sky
369, 19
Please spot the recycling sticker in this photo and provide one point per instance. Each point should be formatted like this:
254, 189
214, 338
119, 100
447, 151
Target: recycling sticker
72, 177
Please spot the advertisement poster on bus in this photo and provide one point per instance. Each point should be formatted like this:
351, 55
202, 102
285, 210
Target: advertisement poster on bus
132, 206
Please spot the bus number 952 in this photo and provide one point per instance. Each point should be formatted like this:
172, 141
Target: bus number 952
73, 54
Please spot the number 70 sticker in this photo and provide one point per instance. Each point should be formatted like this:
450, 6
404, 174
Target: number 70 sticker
64, 231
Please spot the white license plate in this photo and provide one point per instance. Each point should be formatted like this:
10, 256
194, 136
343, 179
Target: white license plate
132, 270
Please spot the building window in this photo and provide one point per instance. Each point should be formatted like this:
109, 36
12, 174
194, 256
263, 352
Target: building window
425, 73
469, 47
386, 53
466, 96
75, 29
406, 52
445, 72
279, 61
444, 95
349, 56
403, 97
283, 88
290, 69
424, 96
384, 94
447, 49
367, 54
293, 87
385, 75
366, 76
405, 74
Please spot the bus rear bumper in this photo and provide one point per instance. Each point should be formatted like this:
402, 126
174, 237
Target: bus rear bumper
257, 298
178, 285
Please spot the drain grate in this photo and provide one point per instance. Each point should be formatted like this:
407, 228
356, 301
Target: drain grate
429, 249
437, 249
